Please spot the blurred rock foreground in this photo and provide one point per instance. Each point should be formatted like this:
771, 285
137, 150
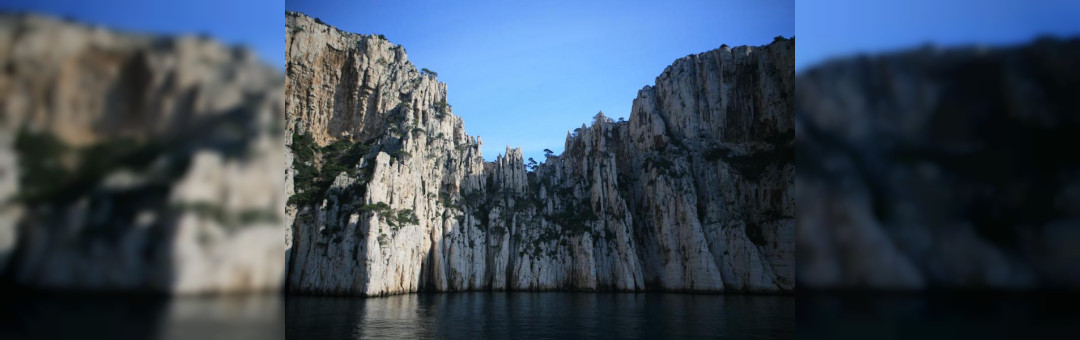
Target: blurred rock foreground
693, 193
132, 162
940, 168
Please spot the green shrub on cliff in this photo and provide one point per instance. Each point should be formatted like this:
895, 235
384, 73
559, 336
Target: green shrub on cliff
715, 153
303, 147
40, 168
377, 207
395, 218
407, 217
574, 219
315, 168
53, 172
441, 109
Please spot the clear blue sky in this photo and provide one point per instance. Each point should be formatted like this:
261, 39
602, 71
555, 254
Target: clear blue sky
256, 24
523, 73
831, 28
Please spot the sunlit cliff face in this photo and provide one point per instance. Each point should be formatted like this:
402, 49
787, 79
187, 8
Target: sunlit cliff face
390, 195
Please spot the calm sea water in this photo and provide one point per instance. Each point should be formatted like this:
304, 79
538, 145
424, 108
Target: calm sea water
939, 315
474, 315
520, 315
541, 315
35, 315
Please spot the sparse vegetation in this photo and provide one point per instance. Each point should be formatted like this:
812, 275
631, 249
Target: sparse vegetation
407, 217
227, 219
574, 219
441, 109
377, 207
315, 168
395, 121
447, 201
752, 165
253, 216
425, 71
714, 154
662, 164
473, 198
395, 218
41, 171
52, 172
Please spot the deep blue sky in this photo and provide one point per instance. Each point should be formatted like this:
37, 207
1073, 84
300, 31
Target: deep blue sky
523, 73
256, 24
830, 28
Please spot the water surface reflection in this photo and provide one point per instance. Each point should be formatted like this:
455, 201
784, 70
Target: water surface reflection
118, 317
541, 315
945, 315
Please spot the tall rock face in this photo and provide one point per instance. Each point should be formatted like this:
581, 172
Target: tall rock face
389, 195
941, 169
137, 163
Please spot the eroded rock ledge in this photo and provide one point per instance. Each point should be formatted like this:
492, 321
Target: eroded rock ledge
389, 195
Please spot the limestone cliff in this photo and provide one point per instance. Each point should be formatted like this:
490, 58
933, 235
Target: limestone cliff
389, 195
137, 162
940, 168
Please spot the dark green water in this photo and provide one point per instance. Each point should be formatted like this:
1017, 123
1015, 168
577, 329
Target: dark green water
547, 315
